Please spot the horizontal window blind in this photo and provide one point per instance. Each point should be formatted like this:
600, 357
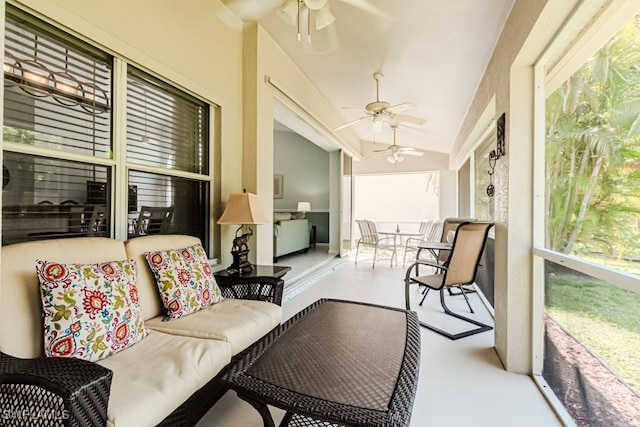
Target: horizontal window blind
57, 92
165, 127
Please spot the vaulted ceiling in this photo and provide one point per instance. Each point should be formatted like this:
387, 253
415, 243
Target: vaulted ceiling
432, 53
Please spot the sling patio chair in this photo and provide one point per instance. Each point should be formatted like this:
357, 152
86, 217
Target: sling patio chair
459, 269
430, 231
371, 238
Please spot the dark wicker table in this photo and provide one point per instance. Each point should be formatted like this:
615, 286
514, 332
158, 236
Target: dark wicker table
253, 284
335, 363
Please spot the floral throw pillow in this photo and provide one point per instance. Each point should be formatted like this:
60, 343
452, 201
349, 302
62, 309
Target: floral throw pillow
184, 279
90, 310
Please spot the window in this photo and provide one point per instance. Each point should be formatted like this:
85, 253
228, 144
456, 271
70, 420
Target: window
57, 103
60, 173
591, 231
174, 127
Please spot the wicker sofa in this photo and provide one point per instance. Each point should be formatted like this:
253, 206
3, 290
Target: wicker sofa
171, 377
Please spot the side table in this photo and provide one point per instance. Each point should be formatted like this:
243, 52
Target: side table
264, 283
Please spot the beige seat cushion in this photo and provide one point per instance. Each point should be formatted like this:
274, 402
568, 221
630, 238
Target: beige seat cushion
238, 322
155, 376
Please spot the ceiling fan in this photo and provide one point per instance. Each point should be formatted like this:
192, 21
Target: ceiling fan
395, 151
382, 111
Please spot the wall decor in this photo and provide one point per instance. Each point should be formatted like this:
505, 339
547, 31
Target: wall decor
277, 187
494, 155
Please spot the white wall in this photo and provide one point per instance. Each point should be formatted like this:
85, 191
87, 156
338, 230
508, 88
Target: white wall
429, 162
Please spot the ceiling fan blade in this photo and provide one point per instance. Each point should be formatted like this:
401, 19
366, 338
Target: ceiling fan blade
250, 10
418, 121
349, 123
368, 7
401, 107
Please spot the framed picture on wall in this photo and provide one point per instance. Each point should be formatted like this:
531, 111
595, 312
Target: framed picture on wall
277, 186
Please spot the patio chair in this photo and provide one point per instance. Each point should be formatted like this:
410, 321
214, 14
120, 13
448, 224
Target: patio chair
430, 231
153, 220
371, 238
459, 269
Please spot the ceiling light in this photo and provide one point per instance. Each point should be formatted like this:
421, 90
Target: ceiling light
324, 17
289, 12
395, 157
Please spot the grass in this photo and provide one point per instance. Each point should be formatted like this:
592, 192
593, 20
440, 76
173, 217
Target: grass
604, 318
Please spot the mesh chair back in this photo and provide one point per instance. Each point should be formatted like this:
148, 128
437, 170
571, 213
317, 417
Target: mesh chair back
449, 224
434, 231
368, 231
466, 252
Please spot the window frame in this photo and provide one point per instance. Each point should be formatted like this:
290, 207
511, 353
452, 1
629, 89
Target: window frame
585, 31
117, 162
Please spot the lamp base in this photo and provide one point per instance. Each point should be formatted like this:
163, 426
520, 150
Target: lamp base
240, 261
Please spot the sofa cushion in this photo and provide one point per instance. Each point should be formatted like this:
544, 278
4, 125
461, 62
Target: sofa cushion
236, 321
185, 280
150, 303
281, 216
155, 376
90, 310
20, 305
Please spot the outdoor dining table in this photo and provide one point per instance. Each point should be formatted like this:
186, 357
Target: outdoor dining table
401, 234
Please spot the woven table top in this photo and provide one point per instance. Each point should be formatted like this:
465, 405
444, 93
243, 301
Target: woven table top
339, 361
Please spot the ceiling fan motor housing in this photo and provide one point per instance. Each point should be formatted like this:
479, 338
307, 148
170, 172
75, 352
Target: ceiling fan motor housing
377, 107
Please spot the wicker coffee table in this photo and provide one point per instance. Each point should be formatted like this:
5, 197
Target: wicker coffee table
335, 363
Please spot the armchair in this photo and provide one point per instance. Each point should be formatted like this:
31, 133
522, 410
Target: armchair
459, 269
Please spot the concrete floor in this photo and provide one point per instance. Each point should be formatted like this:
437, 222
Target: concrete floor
461, 383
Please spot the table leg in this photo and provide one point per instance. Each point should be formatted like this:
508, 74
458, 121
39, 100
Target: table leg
262, 409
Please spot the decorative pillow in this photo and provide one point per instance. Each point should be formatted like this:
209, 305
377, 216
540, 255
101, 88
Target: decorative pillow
281, 216
298, 215
90, 310
451, 234
184, 279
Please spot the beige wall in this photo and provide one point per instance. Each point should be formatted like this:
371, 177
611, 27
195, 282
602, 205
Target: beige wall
509, 80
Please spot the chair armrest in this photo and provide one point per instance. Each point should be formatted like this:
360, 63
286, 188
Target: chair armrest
262, 289
64, 391
427, 263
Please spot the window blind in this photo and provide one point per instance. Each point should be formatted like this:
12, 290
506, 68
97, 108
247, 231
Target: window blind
57, 92
165, 127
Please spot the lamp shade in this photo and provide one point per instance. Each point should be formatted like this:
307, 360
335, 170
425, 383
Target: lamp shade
304, 206
243, 208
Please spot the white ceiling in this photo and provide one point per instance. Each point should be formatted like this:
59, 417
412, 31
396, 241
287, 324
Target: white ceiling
432, 53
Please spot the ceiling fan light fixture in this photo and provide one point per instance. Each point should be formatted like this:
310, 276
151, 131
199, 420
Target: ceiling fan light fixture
288, 12
395, 158
324, 17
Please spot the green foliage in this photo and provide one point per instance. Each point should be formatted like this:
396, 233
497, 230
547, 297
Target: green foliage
593, 153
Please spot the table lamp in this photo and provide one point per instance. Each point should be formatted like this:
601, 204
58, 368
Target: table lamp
243, 209
304, 207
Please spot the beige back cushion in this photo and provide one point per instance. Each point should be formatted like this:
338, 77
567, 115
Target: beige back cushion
148, 295
20, 303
